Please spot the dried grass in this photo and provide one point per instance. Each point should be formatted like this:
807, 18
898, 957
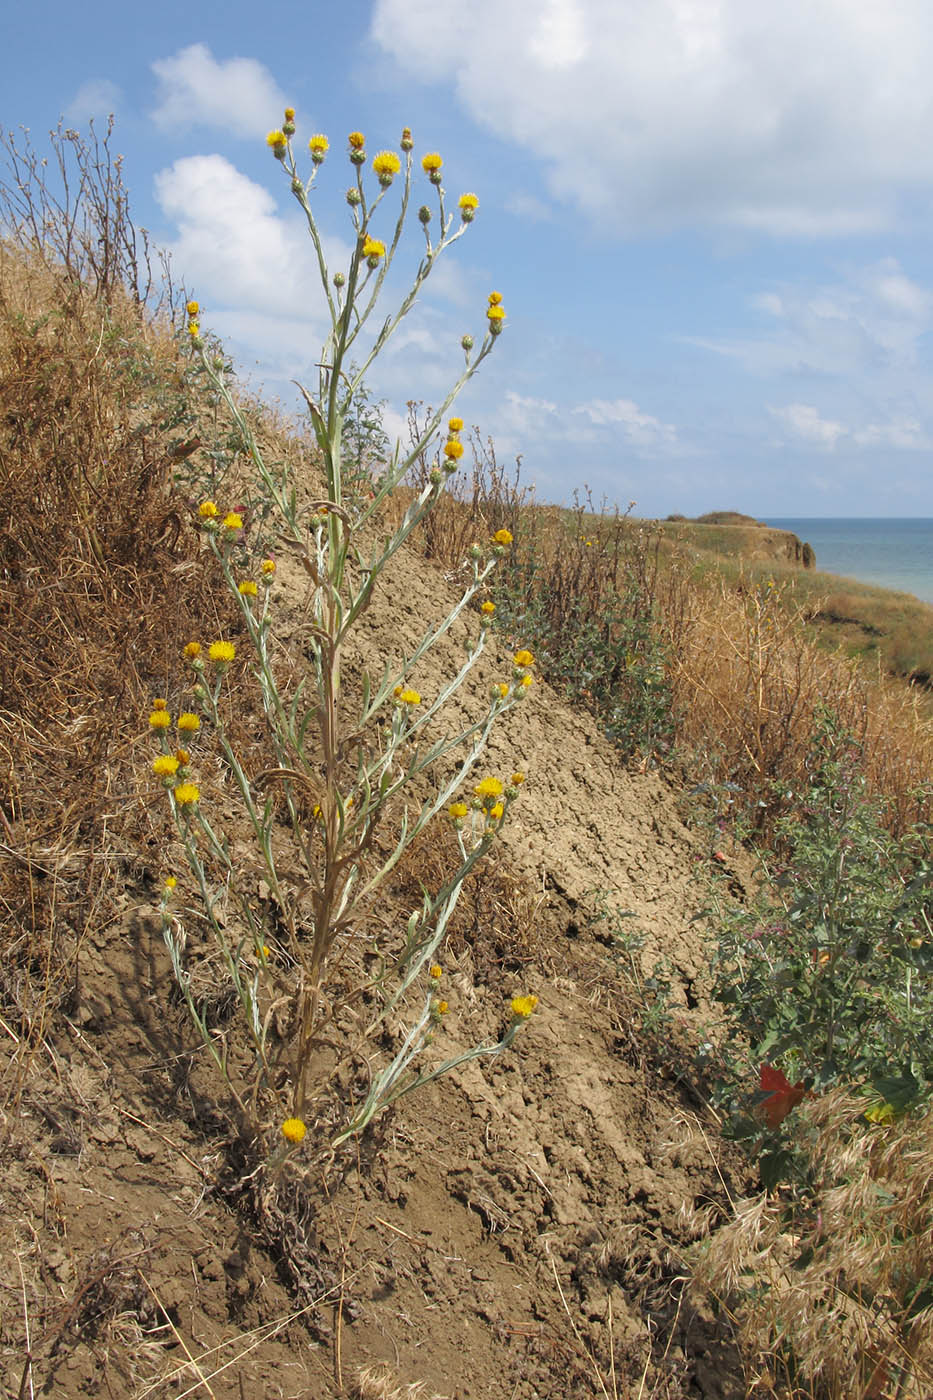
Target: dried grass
833, 1294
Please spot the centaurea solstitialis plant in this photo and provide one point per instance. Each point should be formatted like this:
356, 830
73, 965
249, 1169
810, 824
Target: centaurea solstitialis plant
341, 772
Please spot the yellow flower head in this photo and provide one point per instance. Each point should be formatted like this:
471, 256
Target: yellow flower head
495, 813
524, 658
503, 689
488, 608
522, 1007
160, 719
186, 794
247, 588
442, 1008
409, 697
495, 298
289, 114
503, 537
277, 141
431, 163
194, 330
526, 681
488, 788
170, 882
221, 652
457, 811
189, 723
495, 315
192, 650
468, 202
233, 520
435, 971
455, 425
386, 164
165, 766
357, 140
268, 566
183, 756
192, 308
293, 1130
517, 779
453, 449
318, 146
373, 250
160, 704
208, 510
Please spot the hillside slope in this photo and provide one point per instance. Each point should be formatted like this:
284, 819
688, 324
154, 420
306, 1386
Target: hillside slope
493, 1230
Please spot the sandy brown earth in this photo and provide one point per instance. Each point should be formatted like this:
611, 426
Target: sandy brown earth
514, 1231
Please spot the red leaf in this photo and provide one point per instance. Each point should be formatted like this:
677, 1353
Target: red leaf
780, 1096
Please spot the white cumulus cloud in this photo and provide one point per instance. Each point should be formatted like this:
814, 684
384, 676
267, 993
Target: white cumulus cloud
238, 95
641, 430
810, 118
802, 420
97, 99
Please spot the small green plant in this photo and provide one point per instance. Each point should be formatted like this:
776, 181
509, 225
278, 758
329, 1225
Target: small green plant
356, 773
827, 979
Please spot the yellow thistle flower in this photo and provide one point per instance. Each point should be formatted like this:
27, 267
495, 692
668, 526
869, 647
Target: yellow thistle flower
293, 1130
453, 449
442, 1008
526, 681
409, 697
468, 202
192, 308
221, 652
265, 951
455, 425
208, 510
160, 704
495, 315
524, 658
160, 719
192, 650
386, 164
487, 608
357, 140
503, 689
517, 779
457, 811
187, 722
495, 813
247, 589
194, 330
268, 566
522, 1007
373, 250
435, 971
318, 146
165, 766
233, 520
289, 114
488, 787
183, 756
503, 537
170, 882
277, 140
187, 794
431, 162
495, 298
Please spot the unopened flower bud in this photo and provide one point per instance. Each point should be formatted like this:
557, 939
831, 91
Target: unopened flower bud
406, 142
339, 279
435, 477
424, 214
297, 186
353, 195
467, 343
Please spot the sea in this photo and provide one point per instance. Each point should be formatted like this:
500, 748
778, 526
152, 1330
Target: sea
891, 552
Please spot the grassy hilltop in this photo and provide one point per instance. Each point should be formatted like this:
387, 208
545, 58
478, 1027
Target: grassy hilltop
703, 1166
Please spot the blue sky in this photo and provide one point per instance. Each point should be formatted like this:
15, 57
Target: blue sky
710, 220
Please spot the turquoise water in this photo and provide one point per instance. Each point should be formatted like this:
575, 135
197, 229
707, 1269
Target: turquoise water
890, 552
